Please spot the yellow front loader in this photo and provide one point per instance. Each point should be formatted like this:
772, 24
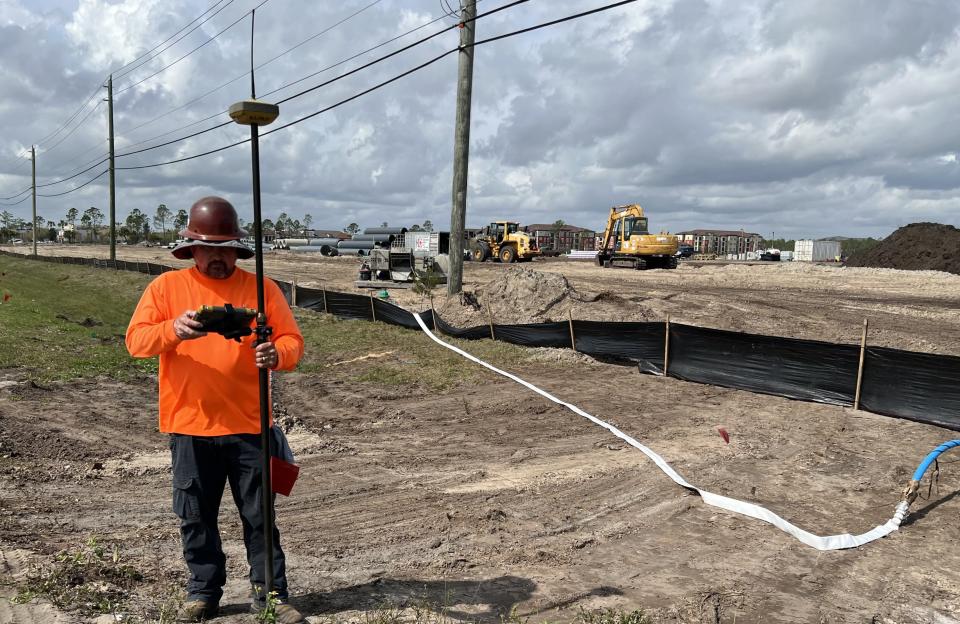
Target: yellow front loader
504, 241
628, 243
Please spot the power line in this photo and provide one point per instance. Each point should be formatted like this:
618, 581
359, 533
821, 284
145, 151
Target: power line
374, 88
79, 124
16, 195
265, 63
16, 159
77, 188
55, 182
358, 54
82, 154
23, 160
332, 80
399, 76
183, 138
119, 73
71, 118
398, 51
223, 112
16, 202
62, 180
168, 66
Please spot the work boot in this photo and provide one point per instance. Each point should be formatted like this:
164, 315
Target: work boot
284, 613
197, 610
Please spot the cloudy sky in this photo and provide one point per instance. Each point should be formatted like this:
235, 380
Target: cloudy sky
799, 119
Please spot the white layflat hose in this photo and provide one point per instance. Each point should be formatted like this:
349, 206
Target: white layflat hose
820, 542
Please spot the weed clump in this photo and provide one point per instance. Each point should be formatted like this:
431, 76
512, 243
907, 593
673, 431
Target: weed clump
612, 616
91, 579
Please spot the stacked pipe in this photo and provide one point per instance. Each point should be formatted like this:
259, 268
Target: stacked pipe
324, 246
358, 245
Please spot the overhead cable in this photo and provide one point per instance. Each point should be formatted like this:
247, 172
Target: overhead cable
71, 118
16, 195
403, 49
389, 80
16, 202
332, 80
119, 73
168, 66
100, 86
62, 180
329, 67
47, 150
76, 188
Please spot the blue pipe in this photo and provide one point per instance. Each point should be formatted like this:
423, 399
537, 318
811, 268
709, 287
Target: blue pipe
934, 454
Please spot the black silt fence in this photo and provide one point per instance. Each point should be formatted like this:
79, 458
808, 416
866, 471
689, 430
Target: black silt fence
477, 332
917, 386
806, 370
638, 342
923, 387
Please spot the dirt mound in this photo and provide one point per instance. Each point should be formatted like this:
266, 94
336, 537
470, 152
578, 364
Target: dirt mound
520, 295
918, 246
517, 295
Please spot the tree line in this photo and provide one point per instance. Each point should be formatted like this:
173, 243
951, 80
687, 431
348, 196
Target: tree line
140, 226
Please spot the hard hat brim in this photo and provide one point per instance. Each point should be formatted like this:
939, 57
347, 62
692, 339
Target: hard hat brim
183, 251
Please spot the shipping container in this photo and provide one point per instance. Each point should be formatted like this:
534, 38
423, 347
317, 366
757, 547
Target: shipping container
786, 256
816, 250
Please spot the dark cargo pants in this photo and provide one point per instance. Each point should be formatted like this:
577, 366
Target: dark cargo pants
201, 468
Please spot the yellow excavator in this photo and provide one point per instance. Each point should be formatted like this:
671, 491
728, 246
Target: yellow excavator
628, 243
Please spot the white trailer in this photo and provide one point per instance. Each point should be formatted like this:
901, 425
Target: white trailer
816, 250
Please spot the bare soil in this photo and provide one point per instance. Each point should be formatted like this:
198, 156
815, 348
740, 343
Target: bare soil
489, 500
913, 310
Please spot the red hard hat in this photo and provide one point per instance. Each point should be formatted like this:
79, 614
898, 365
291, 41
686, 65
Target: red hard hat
213, 219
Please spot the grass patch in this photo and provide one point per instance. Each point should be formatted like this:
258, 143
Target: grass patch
91, 579
65, 321
612, 616
417, 361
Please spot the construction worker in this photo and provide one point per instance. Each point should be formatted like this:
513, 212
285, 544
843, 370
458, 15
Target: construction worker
209, 401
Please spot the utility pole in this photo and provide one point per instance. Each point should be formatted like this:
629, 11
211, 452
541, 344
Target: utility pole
113, 189
461, 145
33, 165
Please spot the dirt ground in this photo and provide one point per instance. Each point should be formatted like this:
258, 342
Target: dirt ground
913, 310
489, 500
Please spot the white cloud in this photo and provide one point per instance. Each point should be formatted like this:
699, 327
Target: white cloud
808, 119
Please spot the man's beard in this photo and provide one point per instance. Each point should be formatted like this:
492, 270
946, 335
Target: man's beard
217, 269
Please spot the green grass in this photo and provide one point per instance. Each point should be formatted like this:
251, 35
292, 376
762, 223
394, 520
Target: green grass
64, 322
67, 321
416, 362
90, 579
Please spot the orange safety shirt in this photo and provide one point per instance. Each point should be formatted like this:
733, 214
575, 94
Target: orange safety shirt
209, 386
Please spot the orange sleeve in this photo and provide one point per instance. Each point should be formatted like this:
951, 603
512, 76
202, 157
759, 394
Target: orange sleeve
150, 331
286, 335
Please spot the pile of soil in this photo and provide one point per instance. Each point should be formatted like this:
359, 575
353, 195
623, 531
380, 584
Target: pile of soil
918, 246
520, 295
517, 295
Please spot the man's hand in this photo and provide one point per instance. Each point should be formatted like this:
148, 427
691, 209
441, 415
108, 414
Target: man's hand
186, 328
266, 355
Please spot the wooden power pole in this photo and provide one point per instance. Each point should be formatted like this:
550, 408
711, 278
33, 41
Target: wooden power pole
113, 189
33, 165
461, 146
